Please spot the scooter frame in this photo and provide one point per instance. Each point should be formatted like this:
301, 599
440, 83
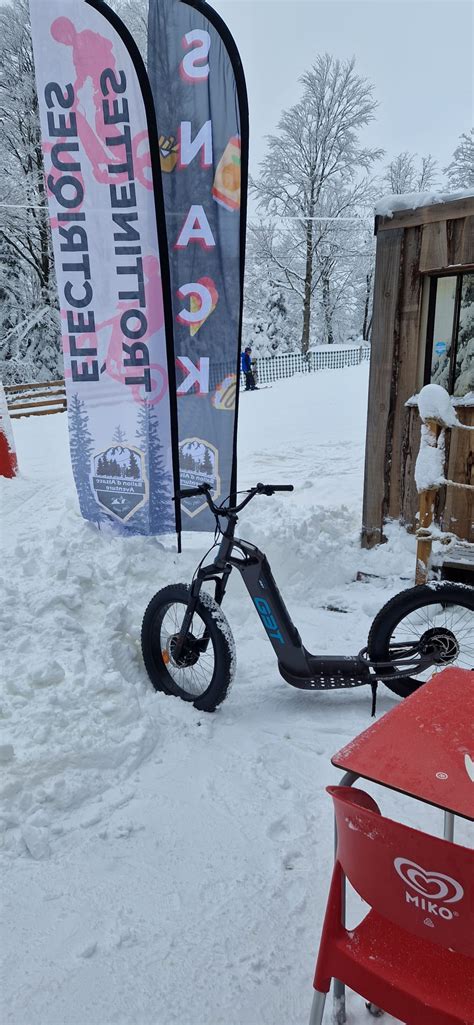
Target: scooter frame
296, 665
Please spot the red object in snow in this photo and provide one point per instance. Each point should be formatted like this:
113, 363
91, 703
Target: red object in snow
8, 460
412, 954
423, 747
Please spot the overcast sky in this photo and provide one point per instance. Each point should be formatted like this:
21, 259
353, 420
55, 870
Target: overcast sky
417, 53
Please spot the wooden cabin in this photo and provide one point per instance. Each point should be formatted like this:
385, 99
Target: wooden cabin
423, 331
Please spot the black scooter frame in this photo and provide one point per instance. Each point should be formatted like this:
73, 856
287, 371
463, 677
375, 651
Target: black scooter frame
296, 665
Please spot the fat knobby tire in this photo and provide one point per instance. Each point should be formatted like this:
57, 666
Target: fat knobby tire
220, 638
395, 611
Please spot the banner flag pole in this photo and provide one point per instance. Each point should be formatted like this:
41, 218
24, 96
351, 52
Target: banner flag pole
105, 203
201, 106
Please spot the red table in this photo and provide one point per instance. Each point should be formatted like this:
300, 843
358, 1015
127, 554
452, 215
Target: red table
424, 747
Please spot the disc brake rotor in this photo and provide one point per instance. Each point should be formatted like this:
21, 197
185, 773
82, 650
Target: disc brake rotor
189, 653
441, 644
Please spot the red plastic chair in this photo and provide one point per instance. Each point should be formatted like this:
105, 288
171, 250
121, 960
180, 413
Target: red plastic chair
412, 955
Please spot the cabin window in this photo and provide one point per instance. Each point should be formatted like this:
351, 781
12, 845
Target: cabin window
450, 333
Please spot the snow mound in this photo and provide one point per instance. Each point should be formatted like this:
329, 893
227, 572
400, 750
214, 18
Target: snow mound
314, 546
429, 466
434, 403
76, 706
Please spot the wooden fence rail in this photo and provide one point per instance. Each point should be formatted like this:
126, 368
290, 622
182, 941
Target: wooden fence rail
37, 399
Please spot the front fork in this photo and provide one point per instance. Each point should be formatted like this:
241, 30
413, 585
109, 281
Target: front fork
220, 589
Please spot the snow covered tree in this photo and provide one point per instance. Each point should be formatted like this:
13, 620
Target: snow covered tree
460, 171
464, 370
134, 14
402, 174
271, 331
29, 321
314, 169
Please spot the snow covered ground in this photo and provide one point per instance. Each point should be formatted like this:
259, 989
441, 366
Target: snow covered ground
160, 865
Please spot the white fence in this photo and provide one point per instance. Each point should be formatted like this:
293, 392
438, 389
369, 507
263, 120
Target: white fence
274, 368
328, 357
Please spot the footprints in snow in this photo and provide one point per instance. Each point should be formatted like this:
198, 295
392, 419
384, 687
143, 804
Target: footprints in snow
284, 833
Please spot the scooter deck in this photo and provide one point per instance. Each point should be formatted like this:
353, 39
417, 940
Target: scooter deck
328, 673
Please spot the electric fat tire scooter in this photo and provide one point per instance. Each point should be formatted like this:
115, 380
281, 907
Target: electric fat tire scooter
189, 650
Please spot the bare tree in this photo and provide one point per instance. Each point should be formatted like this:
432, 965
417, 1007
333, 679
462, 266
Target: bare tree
460, 171
314, 169
403, 175
134, 14
27, 282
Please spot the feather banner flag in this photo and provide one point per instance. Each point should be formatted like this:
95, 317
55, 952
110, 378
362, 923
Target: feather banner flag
105, 202
201, 109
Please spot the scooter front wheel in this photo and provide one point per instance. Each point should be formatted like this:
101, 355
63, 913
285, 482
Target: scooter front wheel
203, 671
430, 621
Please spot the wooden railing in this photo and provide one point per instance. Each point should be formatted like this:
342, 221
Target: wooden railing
37, 399
431, 460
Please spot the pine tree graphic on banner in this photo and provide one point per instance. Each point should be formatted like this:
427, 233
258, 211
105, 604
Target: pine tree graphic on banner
133, 469
159, 518
81, 445
119, 435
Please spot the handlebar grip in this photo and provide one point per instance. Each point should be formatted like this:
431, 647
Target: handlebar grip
191, 492
269, 489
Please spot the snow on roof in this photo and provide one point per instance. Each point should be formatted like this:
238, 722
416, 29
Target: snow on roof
388, 205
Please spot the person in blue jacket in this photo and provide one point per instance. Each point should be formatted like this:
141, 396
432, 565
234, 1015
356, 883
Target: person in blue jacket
247, 370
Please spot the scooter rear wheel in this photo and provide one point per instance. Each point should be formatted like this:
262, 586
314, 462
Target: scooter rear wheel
204, 670
438, 617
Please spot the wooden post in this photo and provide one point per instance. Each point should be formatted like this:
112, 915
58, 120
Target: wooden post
423, 534
382, 360
426, 514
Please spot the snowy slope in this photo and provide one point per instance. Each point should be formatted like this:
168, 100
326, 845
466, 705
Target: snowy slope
160, 865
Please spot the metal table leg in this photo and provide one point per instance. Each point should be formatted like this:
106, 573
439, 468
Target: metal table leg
448, 826
339, 988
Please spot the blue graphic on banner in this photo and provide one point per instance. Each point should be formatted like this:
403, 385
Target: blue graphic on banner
81, 446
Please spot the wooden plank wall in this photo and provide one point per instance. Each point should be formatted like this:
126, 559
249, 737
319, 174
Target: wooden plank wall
409, 498
409, 245
384, 335
403, 446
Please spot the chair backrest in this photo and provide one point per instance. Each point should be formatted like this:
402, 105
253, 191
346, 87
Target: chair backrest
419, 882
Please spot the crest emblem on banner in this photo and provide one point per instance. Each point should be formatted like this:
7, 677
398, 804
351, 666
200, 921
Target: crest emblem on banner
119, 480
198, 464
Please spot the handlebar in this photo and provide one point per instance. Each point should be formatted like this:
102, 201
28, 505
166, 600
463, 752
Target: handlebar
268, 489
203, 489
221, 510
